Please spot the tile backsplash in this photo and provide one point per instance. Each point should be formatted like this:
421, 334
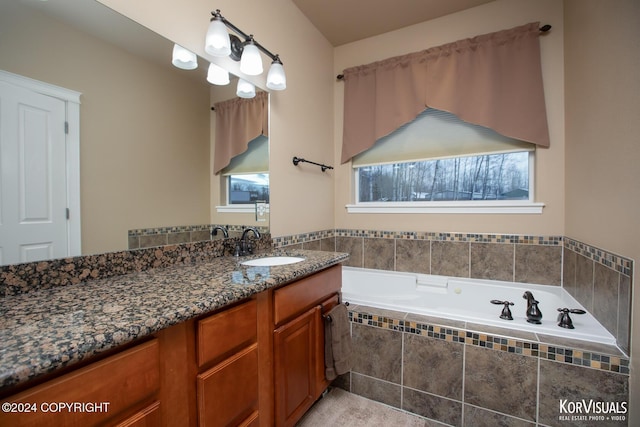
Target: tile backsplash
159, 236
600, 280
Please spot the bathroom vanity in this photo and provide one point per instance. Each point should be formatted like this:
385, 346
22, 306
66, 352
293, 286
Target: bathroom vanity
216, 343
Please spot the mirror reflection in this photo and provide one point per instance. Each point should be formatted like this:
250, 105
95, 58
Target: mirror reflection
145, 127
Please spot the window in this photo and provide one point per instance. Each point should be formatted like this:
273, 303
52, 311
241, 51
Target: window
439, 163
248, 188
487, 177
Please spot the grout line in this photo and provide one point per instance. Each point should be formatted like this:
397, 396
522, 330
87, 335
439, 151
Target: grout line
464, 370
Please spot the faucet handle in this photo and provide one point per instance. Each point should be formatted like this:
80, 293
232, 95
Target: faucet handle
506, 311
564, 320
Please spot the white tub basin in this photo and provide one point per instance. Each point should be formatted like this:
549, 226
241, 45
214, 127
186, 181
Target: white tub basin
270, 261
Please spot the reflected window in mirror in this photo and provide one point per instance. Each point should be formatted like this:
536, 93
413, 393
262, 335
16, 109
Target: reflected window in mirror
248, 188
247, 176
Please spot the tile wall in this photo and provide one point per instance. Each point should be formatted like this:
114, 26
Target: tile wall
464, 374
599, 280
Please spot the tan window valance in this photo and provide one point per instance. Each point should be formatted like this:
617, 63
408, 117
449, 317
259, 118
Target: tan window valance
492, 80
239, 121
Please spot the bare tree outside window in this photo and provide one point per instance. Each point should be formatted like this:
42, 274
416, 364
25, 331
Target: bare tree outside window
486, 177
248, 188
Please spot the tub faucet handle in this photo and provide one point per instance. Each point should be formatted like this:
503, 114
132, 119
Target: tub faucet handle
506, 311
564, 321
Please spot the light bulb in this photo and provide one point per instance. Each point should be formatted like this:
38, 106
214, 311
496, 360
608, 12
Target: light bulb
251, 62
217, 41
276, 79
217, 75
245, 89
183, 58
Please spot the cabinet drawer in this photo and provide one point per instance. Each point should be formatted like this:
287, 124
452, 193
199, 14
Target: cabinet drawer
221, 334
118, 382
228, 392
303, 294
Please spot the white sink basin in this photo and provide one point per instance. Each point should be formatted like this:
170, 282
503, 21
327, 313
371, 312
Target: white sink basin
272, 260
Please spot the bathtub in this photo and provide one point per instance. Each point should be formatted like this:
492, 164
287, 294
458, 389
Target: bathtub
468, 300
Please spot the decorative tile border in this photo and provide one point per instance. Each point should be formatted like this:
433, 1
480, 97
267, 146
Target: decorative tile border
167, 230
186, 228
296, 239
412, 235
571, 356
615, 262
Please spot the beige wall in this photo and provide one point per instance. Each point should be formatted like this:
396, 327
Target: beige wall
495, 16
144, 131
602, 152
301, 117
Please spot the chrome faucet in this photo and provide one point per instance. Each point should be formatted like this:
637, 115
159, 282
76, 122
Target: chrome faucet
225, 231
245, 246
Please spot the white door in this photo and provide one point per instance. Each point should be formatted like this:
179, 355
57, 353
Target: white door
33, 190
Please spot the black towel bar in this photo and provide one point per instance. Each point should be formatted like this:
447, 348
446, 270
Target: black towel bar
323, 167
328, 316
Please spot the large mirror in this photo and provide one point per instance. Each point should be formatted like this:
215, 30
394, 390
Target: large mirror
145, 127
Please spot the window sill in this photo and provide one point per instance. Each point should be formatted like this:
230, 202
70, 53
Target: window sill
462, 207
248, 209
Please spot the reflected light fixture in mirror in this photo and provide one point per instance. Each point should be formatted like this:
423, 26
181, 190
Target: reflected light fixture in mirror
217, 75
183, 58
218, 43
245, 89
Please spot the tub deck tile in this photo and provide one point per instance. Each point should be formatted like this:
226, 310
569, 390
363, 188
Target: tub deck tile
579, 344
506, 332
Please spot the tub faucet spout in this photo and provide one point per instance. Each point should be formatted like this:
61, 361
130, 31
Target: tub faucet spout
533, 312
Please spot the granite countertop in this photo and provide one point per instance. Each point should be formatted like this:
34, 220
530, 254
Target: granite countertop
45, 330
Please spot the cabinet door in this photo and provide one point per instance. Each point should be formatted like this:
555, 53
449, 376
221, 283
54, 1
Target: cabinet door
295, 358
228, 392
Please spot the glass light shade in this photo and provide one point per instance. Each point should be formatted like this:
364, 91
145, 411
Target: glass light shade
217, 42
183, 58
251, 62
217, 75
245, 89
276, 79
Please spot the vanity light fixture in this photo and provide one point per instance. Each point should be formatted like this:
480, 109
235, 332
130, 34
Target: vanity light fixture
218, 42
184, 58
276, 79
250, 61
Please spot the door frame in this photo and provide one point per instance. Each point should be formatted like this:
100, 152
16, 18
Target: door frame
71, 99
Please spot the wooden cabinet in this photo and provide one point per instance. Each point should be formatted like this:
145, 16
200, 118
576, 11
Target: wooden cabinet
295, 360
227, 384
147, 417
117, 388
258, 363
299, 343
